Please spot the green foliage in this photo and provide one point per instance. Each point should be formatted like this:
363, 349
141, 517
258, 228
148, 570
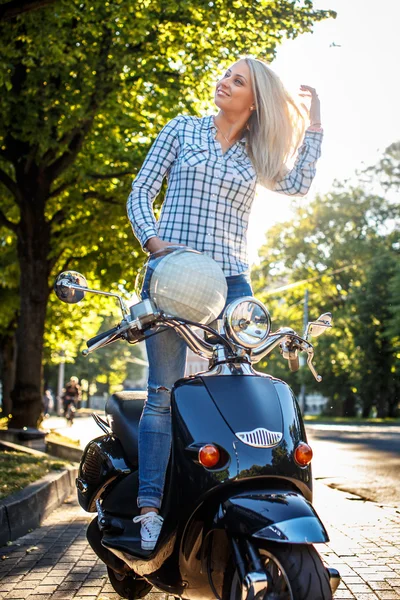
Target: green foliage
344, 248
86, 86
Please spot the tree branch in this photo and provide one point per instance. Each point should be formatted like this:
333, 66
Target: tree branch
109, 175
58, 217
9, 224
62, 187
10, 185
100, 197
68, 157
12, 9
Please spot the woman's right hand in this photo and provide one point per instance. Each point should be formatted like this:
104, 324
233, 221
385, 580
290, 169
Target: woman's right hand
155, 244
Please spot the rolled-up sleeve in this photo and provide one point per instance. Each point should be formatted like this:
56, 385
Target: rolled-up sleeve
298, 180
148, 181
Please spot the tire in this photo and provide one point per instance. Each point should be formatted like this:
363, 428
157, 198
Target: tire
129, 586
297, 574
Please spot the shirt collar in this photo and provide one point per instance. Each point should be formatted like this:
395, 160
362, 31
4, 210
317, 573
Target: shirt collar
209, 124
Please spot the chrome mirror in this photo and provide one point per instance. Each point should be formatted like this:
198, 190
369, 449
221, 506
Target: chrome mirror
318, 327
70, 287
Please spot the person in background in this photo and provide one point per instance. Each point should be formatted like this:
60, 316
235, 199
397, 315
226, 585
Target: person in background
48, 403
72, 394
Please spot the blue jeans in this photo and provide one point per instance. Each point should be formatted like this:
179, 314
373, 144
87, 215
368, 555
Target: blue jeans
167, 359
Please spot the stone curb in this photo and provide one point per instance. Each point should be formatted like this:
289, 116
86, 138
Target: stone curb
25, 510
65, 451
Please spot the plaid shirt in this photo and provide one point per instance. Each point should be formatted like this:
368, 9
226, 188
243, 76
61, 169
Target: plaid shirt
209, 194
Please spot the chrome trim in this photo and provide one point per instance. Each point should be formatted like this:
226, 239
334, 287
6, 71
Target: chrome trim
228, 321
195, 343
229, 368
254, 583
334, 579
260, 437
273, 340
65, 282
103, 426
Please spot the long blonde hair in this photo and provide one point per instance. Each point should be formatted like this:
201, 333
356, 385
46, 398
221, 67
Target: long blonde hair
275, 128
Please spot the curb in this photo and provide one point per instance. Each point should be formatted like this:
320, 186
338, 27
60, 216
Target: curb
65, 451
26, 509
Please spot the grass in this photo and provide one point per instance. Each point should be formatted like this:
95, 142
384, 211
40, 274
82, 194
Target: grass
18, 469
350, 420
53, 436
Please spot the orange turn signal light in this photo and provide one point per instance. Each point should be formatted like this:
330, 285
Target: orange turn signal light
209, 456
303, 454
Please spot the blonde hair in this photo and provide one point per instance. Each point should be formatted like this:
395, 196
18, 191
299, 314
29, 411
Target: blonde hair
275, 128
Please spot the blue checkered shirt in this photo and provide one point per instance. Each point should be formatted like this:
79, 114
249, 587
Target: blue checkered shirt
209, 193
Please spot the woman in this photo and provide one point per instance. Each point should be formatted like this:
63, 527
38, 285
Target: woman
212, 165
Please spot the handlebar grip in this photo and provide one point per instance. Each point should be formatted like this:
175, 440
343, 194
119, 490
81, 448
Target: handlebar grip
101, 336
294, 364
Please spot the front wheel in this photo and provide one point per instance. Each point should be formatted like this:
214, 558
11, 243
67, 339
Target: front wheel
129, 586
296, 571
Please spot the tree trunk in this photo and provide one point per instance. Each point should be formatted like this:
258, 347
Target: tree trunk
366, 411
8, 358
33, 253
349, 406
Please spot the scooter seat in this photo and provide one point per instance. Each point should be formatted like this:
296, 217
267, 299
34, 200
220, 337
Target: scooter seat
123, 411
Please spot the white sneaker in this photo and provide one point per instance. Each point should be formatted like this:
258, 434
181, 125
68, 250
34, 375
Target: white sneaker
150, 529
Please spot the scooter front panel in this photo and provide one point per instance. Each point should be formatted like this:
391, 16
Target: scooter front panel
261, 403
275, 515
246, 402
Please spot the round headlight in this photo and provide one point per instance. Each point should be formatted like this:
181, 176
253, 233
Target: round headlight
247, 322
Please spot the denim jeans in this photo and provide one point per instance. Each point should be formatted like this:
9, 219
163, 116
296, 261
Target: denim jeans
167, 359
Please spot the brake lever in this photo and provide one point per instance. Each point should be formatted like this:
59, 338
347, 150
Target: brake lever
305, 346
310, 356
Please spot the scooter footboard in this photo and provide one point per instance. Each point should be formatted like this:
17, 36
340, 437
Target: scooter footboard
273, 515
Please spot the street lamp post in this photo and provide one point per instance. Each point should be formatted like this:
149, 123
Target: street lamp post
302, 396
60, 382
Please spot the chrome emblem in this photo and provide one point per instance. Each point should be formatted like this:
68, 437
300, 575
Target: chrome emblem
260, 437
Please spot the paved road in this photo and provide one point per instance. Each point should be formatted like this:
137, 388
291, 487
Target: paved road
364, 460
55, 562
84, 428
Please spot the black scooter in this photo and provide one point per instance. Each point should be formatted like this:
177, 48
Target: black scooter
239, 522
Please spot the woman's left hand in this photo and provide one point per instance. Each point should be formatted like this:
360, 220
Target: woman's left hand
315, 107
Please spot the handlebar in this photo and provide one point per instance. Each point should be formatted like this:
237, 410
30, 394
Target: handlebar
101, 336
291, 342
294, 364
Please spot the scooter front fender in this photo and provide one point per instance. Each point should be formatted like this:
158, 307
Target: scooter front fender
273, 515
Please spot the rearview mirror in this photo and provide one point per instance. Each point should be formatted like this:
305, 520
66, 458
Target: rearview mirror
318, 327
69, 287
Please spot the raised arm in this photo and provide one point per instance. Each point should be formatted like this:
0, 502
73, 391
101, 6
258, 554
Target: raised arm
148, 181
298, 180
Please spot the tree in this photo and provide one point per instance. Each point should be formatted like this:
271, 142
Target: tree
10, 10
344, 248
85, 89
378, 385
8, 317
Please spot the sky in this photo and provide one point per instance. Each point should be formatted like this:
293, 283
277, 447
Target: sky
358, 84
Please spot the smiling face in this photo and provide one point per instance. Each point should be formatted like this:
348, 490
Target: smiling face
234, 92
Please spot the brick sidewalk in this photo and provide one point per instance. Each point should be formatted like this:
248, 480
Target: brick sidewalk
55, 561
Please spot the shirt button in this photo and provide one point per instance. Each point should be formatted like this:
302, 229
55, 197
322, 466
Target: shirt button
213, 195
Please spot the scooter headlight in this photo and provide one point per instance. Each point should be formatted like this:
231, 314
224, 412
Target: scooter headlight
247, 322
